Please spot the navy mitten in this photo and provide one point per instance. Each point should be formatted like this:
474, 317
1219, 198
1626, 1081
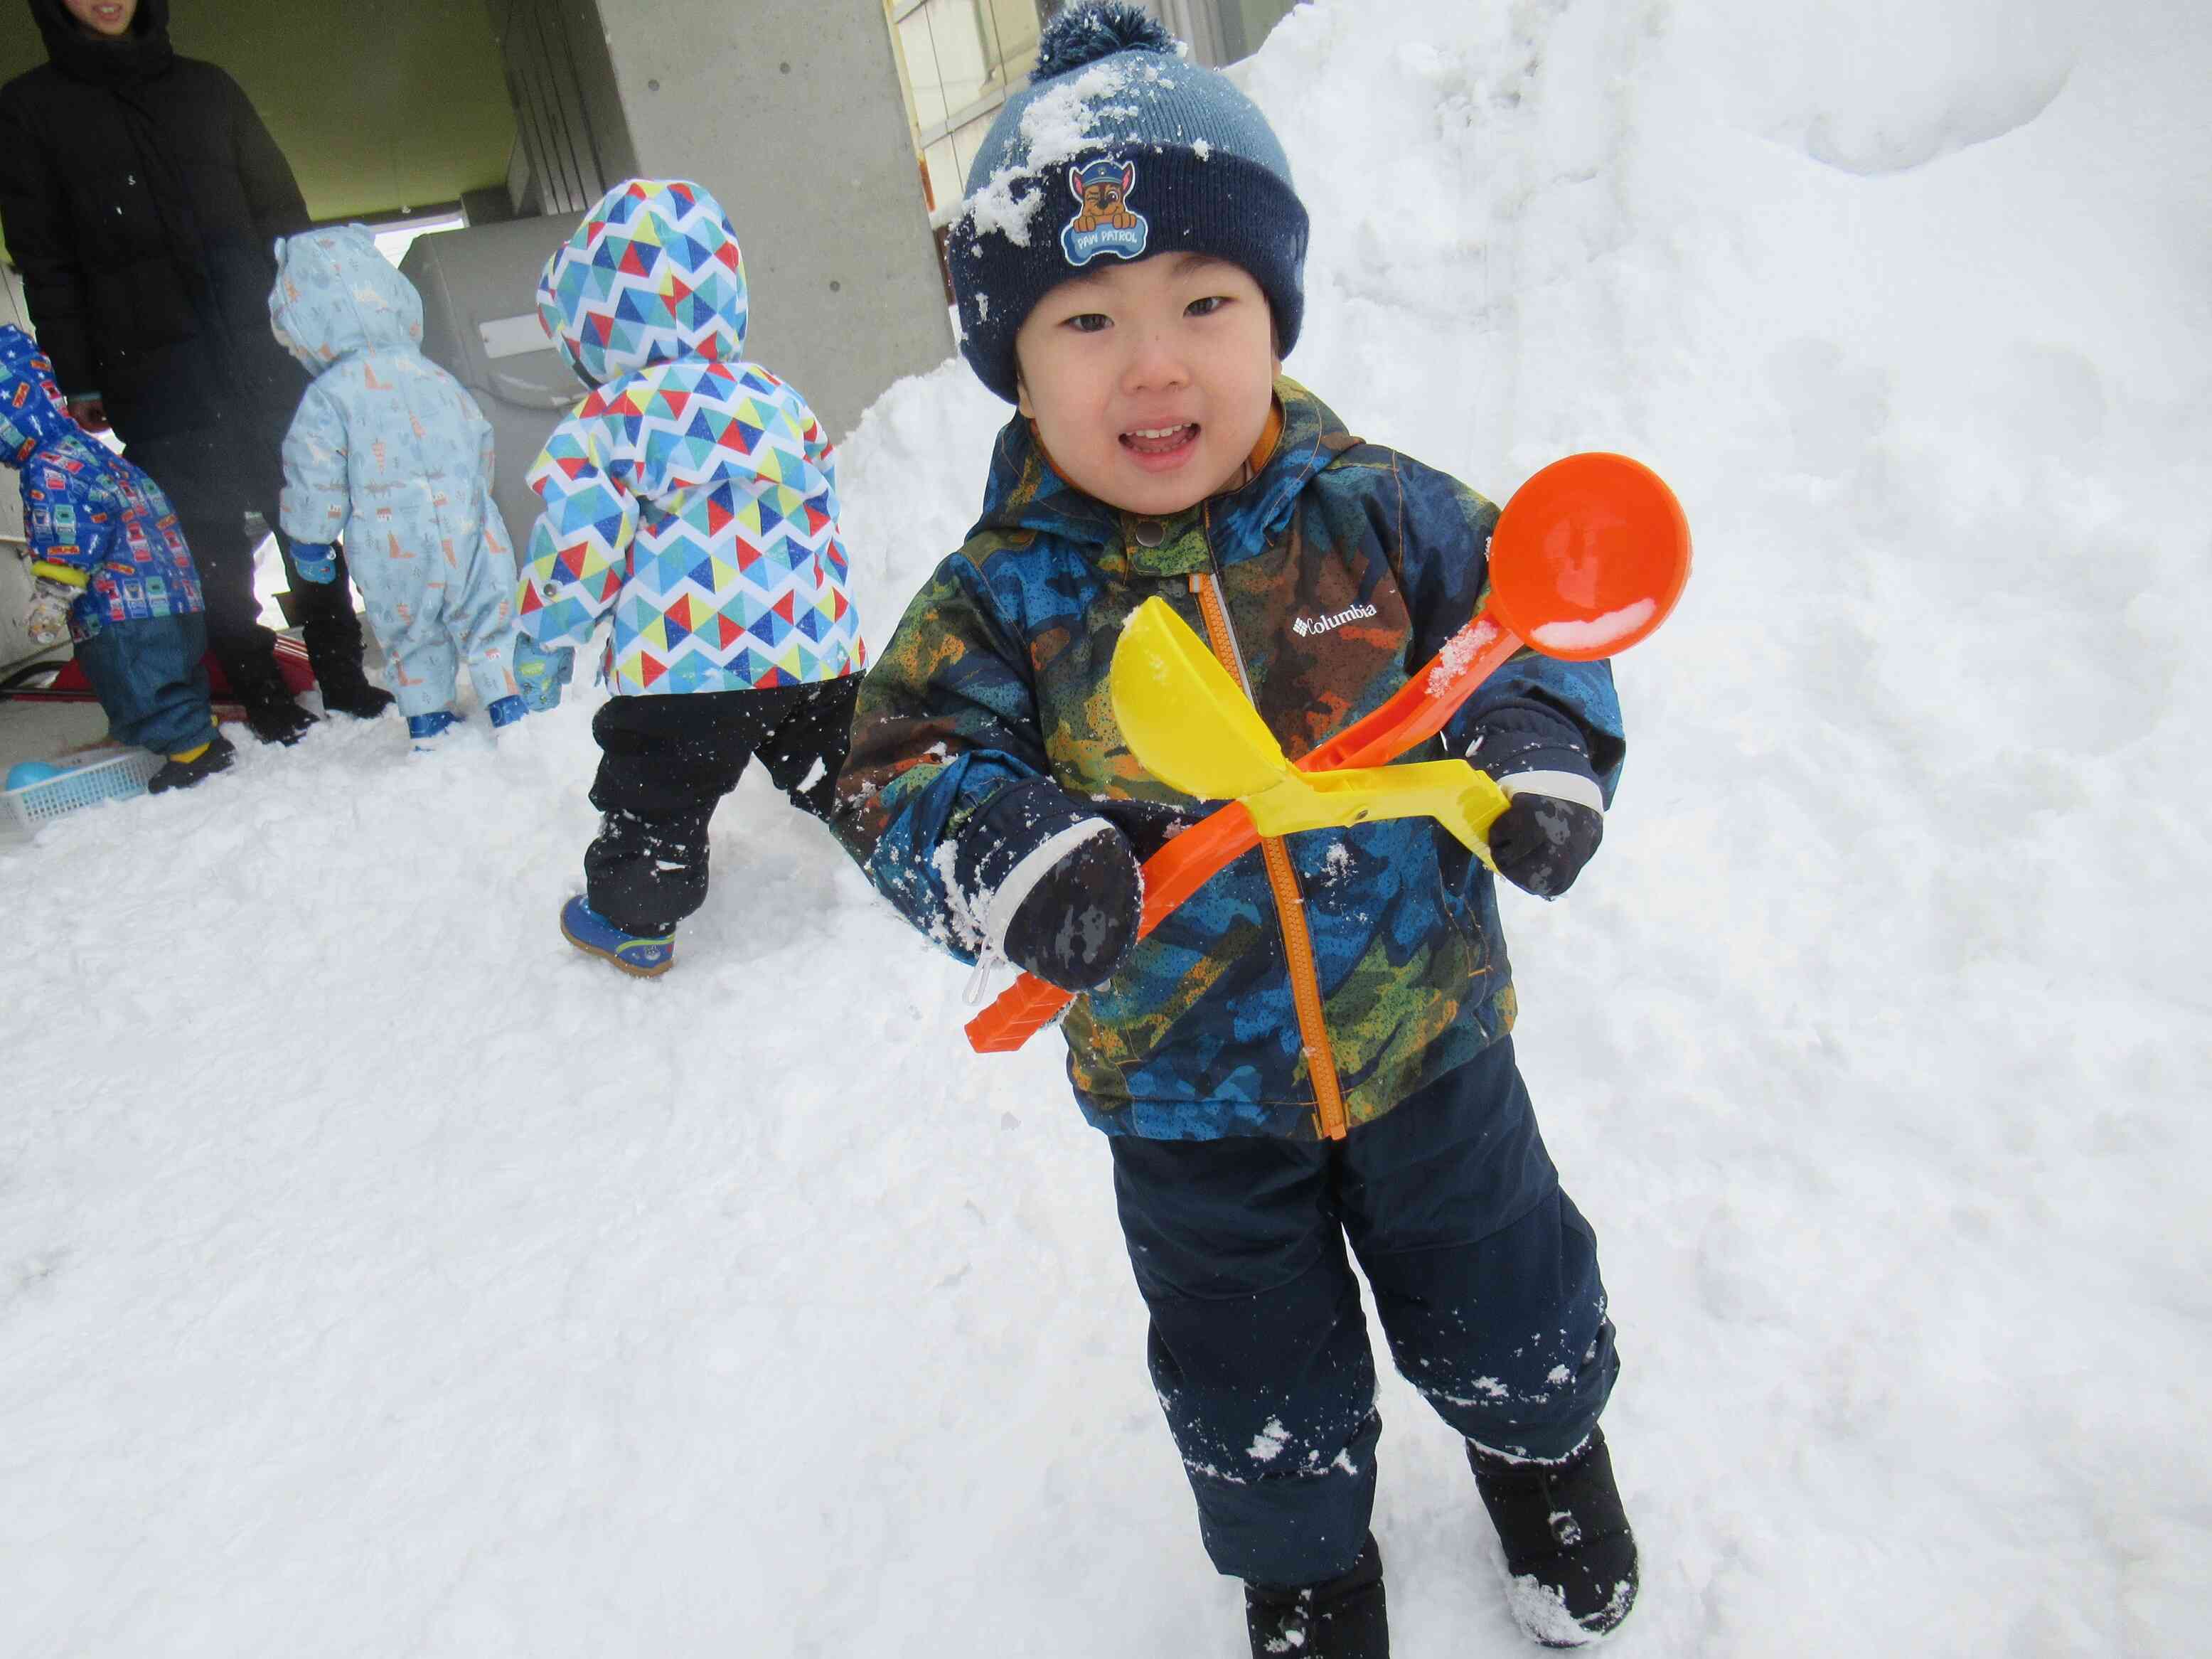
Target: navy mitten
1050, 886
1556, 818
1541, 842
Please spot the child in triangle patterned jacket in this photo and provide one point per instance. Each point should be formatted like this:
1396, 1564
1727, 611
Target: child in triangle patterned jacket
692, 498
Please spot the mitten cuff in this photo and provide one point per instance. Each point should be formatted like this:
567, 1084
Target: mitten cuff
1580, 788
1526, 737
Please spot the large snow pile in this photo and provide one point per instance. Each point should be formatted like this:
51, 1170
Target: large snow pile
377, 1277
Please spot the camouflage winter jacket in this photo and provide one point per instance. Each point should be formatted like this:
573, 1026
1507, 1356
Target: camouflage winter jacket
1339, 569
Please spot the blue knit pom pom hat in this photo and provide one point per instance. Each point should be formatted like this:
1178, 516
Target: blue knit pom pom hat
1118, 148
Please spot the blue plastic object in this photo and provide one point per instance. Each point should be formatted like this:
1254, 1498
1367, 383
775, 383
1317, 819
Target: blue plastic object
24, 774
315, 563
640, 956
103, 775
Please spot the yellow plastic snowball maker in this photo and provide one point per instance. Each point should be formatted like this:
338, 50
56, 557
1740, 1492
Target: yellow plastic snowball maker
1190, 727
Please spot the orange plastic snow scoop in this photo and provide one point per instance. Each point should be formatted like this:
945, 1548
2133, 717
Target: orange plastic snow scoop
1586, 560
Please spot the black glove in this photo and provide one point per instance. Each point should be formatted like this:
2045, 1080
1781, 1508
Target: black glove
1541, 842
1052, 887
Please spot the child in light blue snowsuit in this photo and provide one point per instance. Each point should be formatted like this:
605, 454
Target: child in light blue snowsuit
390, 452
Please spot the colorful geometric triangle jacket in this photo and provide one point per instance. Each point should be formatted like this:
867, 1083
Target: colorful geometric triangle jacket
692, 496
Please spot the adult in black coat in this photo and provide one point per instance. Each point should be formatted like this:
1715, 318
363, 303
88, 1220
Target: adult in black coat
140, 195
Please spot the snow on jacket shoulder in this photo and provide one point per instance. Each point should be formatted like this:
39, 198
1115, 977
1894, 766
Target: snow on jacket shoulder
93, 518
386, 448
1342, 567
693, 495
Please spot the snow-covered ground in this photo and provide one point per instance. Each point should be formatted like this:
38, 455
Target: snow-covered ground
379, 1278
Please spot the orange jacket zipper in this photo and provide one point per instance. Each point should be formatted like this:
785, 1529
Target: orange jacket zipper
1290, 907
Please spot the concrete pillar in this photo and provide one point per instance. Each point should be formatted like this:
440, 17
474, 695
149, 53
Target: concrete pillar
791, 115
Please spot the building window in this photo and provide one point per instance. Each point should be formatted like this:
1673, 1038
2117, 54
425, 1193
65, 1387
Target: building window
959, 60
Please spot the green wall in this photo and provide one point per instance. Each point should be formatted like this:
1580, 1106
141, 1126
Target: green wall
379, 104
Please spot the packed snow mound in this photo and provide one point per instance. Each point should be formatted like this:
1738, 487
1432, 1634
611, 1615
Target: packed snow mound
378, 1276
1887, 85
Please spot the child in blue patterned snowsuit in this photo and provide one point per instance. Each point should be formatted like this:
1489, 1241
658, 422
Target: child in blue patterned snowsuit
110, 571
389, 451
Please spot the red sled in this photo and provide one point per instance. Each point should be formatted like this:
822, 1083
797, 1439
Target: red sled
69, 684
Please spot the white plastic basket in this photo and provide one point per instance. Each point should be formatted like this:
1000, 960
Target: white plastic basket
108, 774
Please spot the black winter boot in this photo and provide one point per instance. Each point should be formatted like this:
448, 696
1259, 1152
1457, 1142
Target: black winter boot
1570, 1557
214, 756
1343, 1619
334, 655
276, 718
347, 691
251, 668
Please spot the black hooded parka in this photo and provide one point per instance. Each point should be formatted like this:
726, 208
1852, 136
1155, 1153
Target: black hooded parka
140, 195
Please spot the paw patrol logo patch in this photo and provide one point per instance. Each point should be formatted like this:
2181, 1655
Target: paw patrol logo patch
1105, 224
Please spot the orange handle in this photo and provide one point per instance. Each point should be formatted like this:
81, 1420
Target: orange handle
1171, 875
1416, 712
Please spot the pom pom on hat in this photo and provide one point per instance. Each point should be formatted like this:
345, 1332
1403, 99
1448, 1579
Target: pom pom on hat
1083, 34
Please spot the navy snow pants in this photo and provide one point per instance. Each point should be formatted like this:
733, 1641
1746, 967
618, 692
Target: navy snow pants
1486, 1281
148, 678
666, 762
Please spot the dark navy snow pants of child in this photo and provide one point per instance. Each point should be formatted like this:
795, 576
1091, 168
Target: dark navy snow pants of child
666, 762
1486, 1281
148, 678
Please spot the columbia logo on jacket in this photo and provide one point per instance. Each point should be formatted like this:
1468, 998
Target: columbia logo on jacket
1302, 628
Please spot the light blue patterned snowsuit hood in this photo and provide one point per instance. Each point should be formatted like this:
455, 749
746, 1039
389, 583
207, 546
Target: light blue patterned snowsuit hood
337, 293
390, 452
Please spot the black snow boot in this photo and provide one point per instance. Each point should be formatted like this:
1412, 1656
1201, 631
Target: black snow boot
1343, 1619
260, 689
1570, 1557
276, 718
347, 691
334, 655
177, 773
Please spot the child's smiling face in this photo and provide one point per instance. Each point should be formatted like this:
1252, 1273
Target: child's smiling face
1150, 383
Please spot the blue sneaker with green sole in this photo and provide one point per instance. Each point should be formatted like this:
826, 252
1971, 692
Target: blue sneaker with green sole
645, 957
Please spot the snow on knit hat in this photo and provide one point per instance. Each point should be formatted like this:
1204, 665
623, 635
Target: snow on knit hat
1119, 147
